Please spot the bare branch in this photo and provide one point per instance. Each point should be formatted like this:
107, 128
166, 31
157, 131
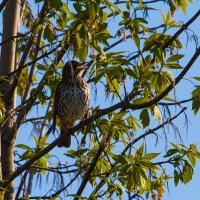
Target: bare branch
32, 70
3, 4
89, 171
23, 181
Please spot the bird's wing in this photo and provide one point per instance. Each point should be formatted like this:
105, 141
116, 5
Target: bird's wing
55, 107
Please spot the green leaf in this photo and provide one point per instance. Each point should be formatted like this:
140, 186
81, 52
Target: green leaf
56, 4
182, 4
114, 87
174, 58
175, 146
144, 116
42, 142
171, 152
120, 159
157, 114
192, 158
176, 177
109, 5
167, 18
172, 66
131, 72
159, 53
92, 11
80, 152
22, 82
169, 99
22, 146
126, 14
196, 105
48, 34
99, 76
140, 151
35, 139
193, 147
123, 139
187, 173
133, 123
196, 92
163, 17
42, 162
136, 39
172, 23
78, 40
77, 7
67, 10
82, 52
150, 156
196, 78
120, 115
27, 154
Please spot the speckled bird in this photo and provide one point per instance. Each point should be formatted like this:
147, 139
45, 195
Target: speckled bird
72, 98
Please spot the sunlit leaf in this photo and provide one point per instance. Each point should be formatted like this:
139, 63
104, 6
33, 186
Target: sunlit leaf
22, 146
174, 58
157, 114
150, 156
192, 158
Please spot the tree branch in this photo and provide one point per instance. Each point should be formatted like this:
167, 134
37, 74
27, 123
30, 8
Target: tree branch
26, 52
170, 87
3, 4
184, 27
32, 70
178, 102
99, 114
32, 62
89, 172
152, 130
102, 182
23, 181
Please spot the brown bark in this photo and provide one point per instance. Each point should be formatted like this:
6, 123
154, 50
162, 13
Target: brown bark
7, 65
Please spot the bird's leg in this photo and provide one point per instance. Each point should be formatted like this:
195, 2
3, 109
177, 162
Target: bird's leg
83, 140
67, 140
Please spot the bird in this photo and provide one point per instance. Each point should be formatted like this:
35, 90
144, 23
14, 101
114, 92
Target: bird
72, 99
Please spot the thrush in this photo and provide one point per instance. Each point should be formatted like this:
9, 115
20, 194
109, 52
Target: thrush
72, 98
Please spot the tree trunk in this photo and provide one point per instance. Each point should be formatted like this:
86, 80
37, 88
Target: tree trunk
7, 65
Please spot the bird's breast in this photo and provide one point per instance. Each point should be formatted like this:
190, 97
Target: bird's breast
74, 100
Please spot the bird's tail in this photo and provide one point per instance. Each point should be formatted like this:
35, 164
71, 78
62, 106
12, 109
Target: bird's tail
66, 142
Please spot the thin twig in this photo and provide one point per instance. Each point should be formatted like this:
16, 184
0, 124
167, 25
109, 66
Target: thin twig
23, 181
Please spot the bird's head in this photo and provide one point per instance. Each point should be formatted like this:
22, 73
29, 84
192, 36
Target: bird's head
72, 69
